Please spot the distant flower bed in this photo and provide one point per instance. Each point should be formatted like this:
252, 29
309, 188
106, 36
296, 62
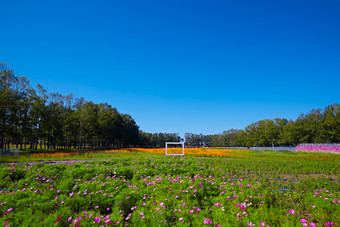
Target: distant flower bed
330, 148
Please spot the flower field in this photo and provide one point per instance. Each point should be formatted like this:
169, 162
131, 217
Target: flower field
328, 148
205, 151
244, 189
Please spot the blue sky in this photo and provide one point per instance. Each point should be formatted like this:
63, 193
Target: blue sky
180, 66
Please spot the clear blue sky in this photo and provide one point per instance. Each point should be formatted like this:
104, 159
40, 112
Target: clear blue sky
180, 66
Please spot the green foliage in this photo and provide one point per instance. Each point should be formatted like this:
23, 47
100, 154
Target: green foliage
316, 127
33, 117
145, 191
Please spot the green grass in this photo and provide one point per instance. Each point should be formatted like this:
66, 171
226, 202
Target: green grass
130, 185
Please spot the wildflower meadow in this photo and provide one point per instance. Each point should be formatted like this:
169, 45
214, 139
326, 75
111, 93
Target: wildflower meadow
145, 188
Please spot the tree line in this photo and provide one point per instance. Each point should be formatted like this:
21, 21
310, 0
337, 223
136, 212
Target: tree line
317, 126
32, 118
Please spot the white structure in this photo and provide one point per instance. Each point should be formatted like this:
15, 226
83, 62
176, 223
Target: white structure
166, 147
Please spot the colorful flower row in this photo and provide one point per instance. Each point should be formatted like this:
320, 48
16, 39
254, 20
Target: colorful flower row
330, 148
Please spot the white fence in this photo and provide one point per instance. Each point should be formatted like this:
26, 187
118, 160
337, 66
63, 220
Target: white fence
174, 143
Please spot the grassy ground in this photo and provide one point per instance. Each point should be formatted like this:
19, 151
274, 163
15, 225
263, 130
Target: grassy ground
143, 187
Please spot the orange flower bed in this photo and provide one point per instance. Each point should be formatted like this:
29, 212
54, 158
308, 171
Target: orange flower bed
188, 151
208, 151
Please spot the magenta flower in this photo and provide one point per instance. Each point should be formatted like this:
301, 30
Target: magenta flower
329, 223
207, 221
218, 224
96, 220
291, 211
191, 211
250, 224
303, 220
262, 224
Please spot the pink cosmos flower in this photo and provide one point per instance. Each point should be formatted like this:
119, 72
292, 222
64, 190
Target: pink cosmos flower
96, 220
218, 224
291, 211
303, 220
262, 223
329, 223
250, 224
